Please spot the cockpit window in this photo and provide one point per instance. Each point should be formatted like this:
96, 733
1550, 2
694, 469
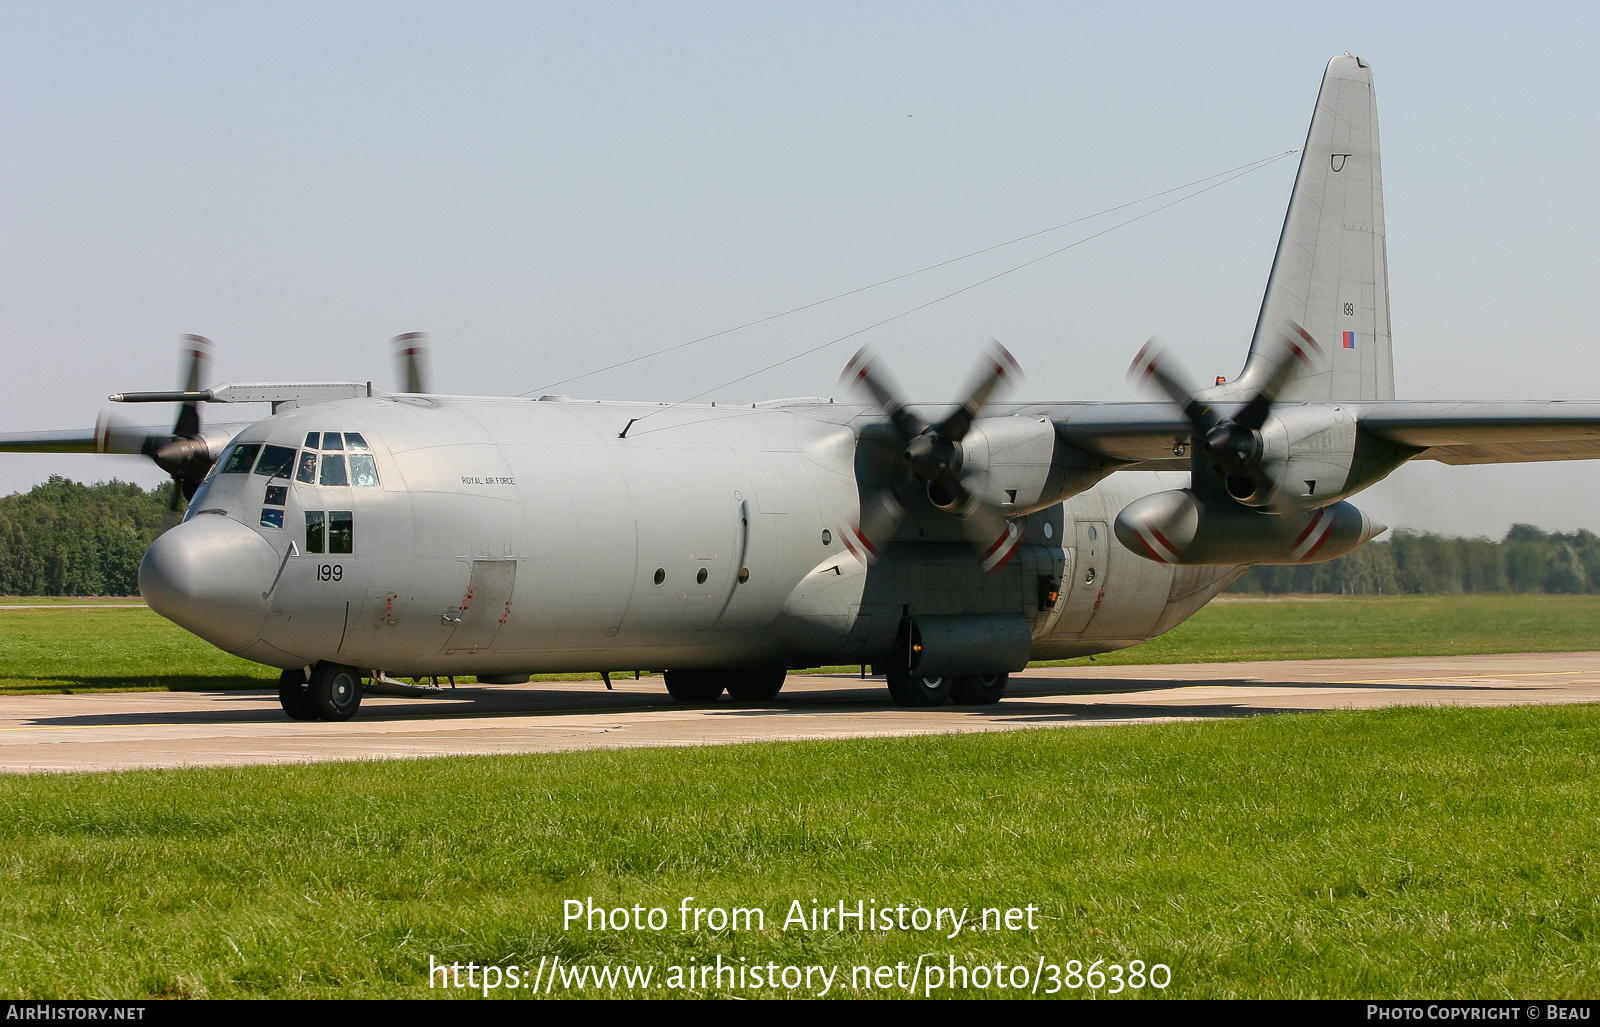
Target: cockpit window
330, 440
311, 439
275, 462
354, 442
363, 470
308, 466
333, 469
240, 457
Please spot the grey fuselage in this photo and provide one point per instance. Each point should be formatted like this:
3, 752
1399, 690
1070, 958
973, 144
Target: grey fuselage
506, 537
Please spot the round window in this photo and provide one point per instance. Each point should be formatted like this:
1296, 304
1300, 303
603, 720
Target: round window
827, 537
744, 575
1093, 534
1049, 530
1088, 579
661, 575
700, 579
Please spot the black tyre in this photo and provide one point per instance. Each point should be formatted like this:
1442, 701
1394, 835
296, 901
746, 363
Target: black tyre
979, 689
694, 686
908, 689
335, 691
755, 685
295, 695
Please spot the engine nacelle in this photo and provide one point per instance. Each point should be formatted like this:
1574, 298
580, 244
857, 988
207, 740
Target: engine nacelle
1179, 527
1020, 464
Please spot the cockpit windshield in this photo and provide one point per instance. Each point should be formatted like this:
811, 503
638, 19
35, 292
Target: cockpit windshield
346, 459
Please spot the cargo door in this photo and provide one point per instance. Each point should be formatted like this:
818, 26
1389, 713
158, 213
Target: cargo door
1081, 595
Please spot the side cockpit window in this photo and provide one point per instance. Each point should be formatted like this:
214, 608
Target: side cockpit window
332, 531
240, 457
341, 531
275, 462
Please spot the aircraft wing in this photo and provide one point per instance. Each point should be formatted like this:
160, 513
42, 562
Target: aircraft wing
1134, 433
71, 441
1143, 434
109, 437
1487, 433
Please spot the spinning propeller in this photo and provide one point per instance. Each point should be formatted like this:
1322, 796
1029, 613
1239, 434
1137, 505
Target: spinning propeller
931, 457
410, 353
185, 454
1232, 447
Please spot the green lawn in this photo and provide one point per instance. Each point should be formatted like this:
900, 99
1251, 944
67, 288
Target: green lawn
98, 649
1320, 628
1391, 853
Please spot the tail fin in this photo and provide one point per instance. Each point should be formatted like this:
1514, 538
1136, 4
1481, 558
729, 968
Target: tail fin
1331, 275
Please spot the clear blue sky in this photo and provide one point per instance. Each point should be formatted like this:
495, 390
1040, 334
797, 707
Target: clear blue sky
549, 188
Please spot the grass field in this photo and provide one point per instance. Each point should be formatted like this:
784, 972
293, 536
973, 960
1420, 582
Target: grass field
97, 649
1393, 853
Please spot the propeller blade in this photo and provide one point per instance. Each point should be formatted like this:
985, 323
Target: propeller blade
882, 510
196, 355
1233, 445
995, 538
1297, 350
1154, 364
173, 515
999, 368
930, 457
111, 435
410, 353
1282, 502
862, 372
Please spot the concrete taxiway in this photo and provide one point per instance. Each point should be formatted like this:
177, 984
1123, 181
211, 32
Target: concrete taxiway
124, 731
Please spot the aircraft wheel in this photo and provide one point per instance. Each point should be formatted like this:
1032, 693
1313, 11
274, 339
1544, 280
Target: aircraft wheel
908, 689
756, 685
694, 686
295, 696
979, 689
335, 691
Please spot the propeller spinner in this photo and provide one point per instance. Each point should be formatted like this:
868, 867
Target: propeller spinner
931, 456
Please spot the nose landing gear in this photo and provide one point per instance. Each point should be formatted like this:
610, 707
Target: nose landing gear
331, 691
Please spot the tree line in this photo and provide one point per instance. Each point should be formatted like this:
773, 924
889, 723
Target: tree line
1418, 563
64, 538
67, 538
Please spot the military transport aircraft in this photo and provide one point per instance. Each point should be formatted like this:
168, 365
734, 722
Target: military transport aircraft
356, 537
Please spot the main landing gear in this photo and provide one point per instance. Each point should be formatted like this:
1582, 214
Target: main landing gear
331, 691
910, 689
704, 686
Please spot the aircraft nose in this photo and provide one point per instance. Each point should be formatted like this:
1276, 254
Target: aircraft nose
208, 575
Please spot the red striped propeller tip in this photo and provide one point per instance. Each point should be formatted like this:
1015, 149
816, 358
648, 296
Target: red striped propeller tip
859, 366
1005, 365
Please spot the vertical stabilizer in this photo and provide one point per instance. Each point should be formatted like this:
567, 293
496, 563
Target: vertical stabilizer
1331, 275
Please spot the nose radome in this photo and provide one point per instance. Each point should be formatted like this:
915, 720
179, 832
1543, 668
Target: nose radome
208, 575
